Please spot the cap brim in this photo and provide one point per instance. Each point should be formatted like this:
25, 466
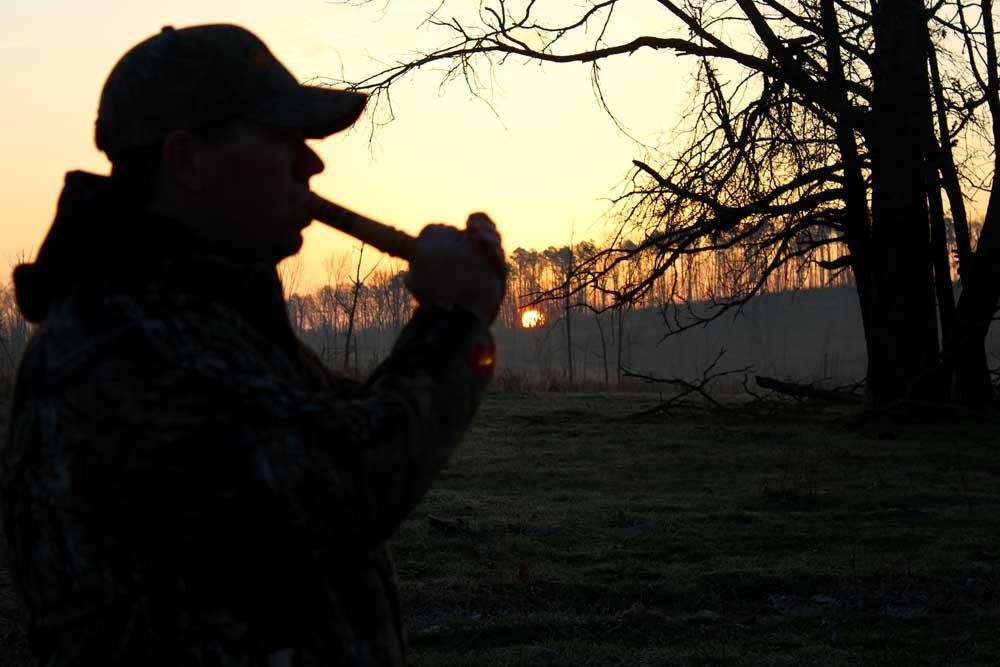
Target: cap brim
318, 112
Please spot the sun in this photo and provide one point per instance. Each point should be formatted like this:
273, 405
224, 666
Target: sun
532, 318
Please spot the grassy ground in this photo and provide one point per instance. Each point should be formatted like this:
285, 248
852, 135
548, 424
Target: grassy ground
565, 533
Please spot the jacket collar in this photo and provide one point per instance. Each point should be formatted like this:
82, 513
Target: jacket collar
95, 240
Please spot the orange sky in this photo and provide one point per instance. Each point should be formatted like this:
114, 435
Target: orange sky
542, 169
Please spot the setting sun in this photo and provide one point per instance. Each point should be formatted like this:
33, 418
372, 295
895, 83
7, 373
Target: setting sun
532, 318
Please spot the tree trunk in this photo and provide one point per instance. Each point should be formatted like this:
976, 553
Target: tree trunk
604, 347
939, 237
620, 307
857, 233
569, 322
964, 347
945, 162
903, 337
350, 316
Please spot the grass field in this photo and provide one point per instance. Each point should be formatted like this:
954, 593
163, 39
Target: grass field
565, 532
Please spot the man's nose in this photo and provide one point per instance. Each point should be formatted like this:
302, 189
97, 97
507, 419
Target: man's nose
307, 163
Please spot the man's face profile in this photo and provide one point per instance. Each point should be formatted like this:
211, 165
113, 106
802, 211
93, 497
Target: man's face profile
246, 192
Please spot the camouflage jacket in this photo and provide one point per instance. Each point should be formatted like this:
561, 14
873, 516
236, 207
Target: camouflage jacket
184, 483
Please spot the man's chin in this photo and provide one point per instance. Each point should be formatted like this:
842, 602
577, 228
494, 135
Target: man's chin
288, 247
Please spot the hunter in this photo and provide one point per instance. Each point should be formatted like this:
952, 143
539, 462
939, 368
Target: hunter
184, 482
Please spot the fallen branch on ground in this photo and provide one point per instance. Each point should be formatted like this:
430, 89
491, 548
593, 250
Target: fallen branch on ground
807, 391
697, 388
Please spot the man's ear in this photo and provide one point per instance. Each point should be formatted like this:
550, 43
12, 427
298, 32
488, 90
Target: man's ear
182, 159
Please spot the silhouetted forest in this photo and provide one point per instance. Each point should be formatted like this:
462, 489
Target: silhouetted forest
870, 128
804, 325
594, 333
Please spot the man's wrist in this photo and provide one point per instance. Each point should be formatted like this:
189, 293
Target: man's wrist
466, 332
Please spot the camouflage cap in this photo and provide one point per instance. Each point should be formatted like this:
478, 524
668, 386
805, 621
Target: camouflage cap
191, 77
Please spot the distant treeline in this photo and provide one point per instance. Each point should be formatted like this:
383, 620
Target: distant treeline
539, 278
587, 331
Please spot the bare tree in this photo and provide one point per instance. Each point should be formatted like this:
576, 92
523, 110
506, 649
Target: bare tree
822, 132
330, 298
561, 262
351, 307
14, 333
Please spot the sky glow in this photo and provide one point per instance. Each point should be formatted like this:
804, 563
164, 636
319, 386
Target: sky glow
543, 166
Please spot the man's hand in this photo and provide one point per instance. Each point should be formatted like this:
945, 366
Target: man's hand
464, 268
